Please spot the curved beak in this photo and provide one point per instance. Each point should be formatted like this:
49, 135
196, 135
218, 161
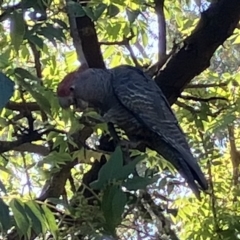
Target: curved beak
65, 102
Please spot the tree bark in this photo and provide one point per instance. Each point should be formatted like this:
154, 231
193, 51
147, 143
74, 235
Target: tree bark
215, 26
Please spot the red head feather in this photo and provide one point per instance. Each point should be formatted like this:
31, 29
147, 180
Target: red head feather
63, 89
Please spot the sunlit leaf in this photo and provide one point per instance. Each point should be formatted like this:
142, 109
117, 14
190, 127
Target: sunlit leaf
75, 9
5, 219
20, 216
112, 10
17, 28
99, 10
132, 15
109, 170
113, 204
51, 222
34, 214
137, 183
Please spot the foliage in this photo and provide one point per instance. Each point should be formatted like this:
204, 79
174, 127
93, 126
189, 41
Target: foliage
48, 186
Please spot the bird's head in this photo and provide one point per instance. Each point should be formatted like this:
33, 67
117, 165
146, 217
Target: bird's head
65, 90
64, 93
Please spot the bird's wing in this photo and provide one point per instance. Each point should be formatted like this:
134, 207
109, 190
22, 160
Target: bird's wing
140, 95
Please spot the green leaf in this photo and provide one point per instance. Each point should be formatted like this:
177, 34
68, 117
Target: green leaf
5, 219
4, 59
58, 157
34, 213
118, 204
52, 33
20, 216
132, 14
129, 168
61, 23
36, 41
144, 39
37, 210
89, 13
70, 59
237, 40
51, 222
25, 74
2, 187
75, 9
137, 183
113, 203
32, 89
99, 10
109, 170
110, 50
6, 90
17, 29
112, 10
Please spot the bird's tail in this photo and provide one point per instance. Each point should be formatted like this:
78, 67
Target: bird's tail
185, 163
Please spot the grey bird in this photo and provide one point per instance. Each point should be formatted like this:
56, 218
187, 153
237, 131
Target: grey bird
129, 98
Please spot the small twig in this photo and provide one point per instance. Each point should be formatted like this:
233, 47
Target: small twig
154, 69
38, 67
134, 58
187, 107
28, 183
125, 42
197, 111
193, 98
37, 55
71, 181
141, 49
189, 86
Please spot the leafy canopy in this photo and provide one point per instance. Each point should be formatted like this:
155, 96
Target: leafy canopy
49, 185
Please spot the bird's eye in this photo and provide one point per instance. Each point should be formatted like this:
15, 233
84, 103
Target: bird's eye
72, 88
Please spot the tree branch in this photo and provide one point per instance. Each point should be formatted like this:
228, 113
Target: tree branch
32, 148
37, 55
19, 106
193, 98
75, 36
189, 86
27, 138
89, 39
162, 42
215, 26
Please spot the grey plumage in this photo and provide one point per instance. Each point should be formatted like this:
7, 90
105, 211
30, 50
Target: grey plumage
129, 98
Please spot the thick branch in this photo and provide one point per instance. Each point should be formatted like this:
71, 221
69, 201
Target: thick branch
215, 26
90, 44
33, 136
75, 36
32, 148
15, 106
159, 4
